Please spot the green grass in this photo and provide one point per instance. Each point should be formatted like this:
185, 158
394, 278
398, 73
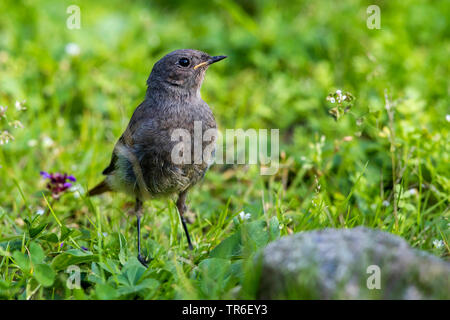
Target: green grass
386, 169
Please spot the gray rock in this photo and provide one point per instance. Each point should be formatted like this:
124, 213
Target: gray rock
335, 264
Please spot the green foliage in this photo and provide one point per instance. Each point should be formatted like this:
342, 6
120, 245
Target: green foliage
384, 164
72, 257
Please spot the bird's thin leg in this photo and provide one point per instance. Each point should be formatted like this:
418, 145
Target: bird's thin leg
181, 205
138, 212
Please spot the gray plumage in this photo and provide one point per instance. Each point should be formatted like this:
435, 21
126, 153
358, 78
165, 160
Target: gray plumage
141, 163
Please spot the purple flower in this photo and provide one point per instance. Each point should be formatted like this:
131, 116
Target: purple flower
45, 175
84, 248
58, 182
61, 245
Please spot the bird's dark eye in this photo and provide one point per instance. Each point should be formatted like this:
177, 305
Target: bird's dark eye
184, 62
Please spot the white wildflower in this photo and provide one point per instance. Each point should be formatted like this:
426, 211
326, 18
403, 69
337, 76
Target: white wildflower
339, 92
19, 105
73, 49
5, 137
386, 203
16, 124
244, 216
47, 141
438, 243
412, 191
40, 211
332, 100
447, 117
32, 143
3, 111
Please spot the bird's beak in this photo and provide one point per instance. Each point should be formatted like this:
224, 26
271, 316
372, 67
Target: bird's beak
210, 61
216, 59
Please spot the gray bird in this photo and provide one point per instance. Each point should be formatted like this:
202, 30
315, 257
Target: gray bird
142, 163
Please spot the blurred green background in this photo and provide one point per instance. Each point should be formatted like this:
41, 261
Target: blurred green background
81, 86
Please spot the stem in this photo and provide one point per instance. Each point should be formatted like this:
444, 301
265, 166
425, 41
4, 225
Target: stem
390, 113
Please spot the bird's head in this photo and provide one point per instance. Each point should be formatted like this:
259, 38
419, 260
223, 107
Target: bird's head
183, 70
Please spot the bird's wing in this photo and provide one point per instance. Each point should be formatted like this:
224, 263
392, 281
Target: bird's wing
112, 165
126, 138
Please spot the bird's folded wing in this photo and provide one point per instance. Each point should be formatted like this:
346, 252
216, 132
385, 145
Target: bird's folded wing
112, 165
126, 140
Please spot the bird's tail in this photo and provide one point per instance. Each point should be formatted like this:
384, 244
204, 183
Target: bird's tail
99, 189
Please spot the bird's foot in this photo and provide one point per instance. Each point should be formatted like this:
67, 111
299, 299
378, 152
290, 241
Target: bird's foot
190, 246
144, 261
